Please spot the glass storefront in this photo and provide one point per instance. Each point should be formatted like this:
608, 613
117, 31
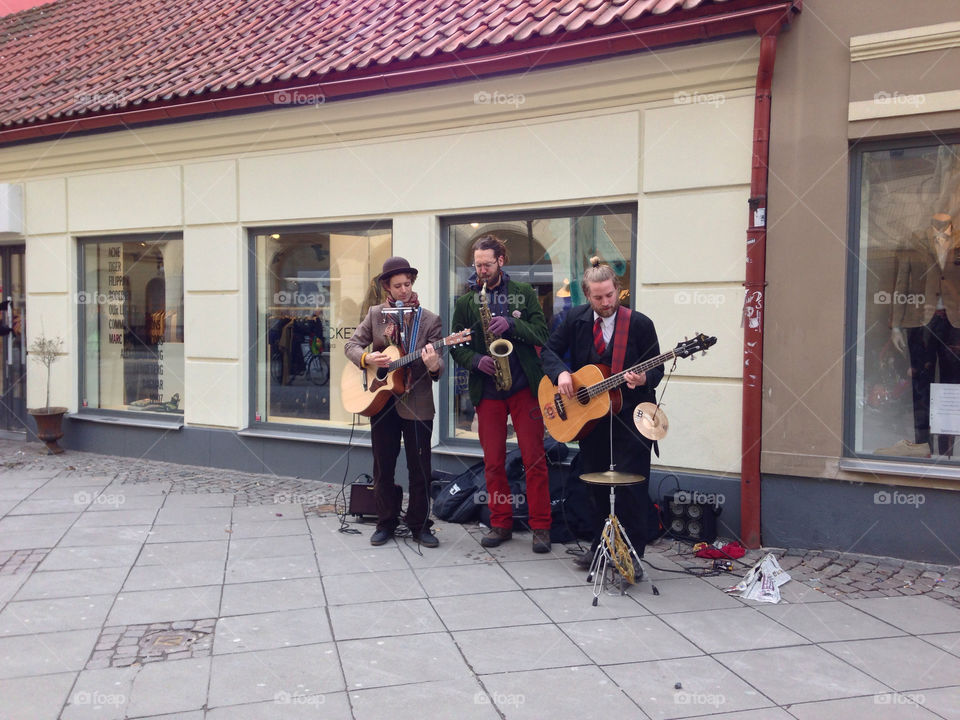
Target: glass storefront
906, 369
547, 249
131, 313
313, 287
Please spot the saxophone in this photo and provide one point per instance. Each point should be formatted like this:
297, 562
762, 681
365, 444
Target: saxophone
498, 348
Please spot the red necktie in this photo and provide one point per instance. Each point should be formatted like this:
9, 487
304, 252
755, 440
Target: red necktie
598, 344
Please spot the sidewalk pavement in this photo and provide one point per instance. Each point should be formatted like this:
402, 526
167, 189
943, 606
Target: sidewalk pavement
137, 589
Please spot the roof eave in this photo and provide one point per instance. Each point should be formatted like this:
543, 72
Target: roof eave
759, 19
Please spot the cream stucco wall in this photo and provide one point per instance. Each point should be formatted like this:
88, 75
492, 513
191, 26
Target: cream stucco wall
670, 132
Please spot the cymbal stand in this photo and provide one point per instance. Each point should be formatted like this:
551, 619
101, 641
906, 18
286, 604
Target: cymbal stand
611, 536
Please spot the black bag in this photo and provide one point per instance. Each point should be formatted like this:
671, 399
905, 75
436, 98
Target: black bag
457, 500
571, 504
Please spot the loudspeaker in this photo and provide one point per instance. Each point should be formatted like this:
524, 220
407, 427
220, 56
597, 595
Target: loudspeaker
687, 519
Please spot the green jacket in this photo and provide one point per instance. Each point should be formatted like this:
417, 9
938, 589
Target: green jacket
529, 331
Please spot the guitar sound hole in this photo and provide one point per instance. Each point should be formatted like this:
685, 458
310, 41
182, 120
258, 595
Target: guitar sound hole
382, 374
583, 397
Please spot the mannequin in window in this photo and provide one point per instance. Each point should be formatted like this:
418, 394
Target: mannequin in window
925, 319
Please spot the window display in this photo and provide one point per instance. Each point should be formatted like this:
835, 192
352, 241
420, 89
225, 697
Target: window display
314, 285
907, 365
547, 249
131, 302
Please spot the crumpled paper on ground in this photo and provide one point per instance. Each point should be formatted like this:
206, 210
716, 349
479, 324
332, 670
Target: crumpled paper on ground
763, 581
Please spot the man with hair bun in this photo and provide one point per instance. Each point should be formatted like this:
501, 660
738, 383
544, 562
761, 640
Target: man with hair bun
590, 333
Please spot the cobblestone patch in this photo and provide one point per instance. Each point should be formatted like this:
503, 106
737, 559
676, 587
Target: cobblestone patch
246, 488
14, 562
839, 575
125, 645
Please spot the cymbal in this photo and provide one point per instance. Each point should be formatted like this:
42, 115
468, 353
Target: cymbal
612, 477
651, 421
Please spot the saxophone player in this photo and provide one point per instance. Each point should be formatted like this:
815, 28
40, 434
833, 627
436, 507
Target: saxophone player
503, 383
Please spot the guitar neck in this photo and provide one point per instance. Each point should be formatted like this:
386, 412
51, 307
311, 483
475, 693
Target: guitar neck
619, 378
410, 357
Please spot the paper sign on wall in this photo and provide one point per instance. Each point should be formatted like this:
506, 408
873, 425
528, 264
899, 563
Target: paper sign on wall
944, 409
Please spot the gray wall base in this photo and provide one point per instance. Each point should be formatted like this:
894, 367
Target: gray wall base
902, 522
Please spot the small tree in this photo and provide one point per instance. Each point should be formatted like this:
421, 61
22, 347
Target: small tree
46, 351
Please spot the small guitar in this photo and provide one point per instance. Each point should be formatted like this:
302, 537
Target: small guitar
366, 390
569, 419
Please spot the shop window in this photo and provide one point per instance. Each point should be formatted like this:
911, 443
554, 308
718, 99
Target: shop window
905, 371
313, 287
131, 310
547, 249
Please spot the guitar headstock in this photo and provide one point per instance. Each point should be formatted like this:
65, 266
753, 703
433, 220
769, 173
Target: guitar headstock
699, 343
458, 338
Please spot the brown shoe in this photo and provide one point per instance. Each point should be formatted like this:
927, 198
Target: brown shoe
495, 536
541, 541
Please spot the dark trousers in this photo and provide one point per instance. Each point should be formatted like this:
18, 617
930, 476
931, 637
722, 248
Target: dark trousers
386, 430
631, 454
936, 343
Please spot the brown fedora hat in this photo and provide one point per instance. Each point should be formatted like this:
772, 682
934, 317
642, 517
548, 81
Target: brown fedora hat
394, 265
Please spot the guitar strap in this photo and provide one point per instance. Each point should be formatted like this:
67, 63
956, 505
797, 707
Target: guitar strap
620, 332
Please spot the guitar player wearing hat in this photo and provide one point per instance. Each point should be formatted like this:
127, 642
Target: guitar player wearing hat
400, 321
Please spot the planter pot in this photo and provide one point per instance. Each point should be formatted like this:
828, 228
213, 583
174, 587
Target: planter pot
49, 428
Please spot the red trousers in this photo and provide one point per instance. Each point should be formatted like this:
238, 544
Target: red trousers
528, 426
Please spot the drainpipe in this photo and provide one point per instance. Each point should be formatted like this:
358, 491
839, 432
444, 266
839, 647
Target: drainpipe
755, 291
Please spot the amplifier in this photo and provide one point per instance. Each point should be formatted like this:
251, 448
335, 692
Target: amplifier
363, 501
690, 516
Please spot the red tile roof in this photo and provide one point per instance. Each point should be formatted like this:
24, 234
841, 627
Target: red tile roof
79, 59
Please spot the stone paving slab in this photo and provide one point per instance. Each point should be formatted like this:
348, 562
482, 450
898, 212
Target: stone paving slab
139, 589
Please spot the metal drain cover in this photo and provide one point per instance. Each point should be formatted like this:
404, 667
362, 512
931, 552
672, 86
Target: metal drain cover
162, 642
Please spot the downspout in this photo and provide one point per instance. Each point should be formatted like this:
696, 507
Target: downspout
755, 291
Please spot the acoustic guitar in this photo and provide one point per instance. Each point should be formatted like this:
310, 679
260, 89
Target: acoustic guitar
366, 390
570, 418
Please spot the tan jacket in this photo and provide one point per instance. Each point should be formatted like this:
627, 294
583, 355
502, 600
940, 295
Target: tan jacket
921, 283
417, 402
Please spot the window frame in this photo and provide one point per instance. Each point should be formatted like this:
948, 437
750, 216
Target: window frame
294, 431
471, 446
109, 415
850, 458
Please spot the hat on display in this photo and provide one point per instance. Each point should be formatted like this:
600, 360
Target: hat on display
394, 265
